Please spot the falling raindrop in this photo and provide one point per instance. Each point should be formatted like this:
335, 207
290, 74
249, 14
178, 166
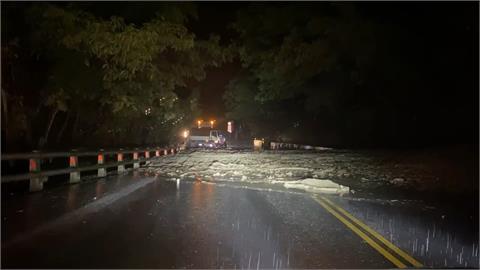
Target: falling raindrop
461, 256
448, 241
258, 261
428, 238
288, 258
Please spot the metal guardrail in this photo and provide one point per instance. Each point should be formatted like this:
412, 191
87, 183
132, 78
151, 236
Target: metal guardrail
291, 146
37, 177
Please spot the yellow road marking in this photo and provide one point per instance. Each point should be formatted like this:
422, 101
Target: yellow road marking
377, 235
372, 243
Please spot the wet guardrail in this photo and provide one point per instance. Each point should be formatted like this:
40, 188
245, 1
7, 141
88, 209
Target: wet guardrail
37, 176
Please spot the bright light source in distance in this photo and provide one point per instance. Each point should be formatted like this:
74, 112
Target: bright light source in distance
185, 133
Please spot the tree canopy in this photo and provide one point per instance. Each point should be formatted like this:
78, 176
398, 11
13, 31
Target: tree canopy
329, 73
344, 78
118, 78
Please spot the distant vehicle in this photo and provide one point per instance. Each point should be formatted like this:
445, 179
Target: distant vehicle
206, 138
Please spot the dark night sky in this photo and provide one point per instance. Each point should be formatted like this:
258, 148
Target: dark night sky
215, 18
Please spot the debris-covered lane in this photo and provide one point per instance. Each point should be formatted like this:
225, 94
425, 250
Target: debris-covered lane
428, 171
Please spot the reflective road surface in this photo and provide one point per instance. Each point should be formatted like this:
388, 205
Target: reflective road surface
143, 221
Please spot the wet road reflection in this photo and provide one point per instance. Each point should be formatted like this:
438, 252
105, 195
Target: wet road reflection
140, 222
437, 237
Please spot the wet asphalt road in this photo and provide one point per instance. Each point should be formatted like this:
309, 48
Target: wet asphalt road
142, 221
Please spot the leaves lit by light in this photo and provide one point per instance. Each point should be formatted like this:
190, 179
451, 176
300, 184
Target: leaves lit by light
148, 111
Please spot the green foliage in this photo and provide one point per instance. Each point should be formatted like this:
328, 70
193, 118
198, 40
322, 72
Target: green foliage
302, 62
287, 46
120, 78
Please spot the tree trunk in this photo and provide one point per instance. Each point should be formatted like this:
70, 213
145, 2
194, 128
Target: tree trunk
64, 126
44, 139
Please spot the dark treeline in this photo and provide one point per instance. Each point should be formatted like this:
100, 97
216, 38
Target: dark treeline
74, 76
370, 74
335, 74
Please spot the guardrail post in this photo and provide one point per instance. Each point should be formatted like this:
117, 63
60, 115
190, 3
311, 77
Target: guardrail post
147, 156
36, 183
74, 176
165, 152
120, 168
157, 153
135, 157
102, 172
272, 145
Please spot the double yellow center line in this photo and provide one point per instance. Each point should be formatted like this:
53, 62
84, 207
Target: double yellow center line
389, 251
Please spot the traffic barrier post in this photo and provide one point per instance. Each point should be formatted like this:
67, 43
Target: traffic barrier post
135, 157
120, 167
74, 176
36, 182
102, 172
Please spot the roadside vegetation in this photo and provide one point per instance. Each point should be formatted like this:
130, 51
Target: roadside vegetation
330, 74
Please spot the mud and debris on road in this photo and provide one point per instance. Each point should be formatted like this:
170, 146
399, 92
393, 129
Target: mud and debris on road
353, 171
